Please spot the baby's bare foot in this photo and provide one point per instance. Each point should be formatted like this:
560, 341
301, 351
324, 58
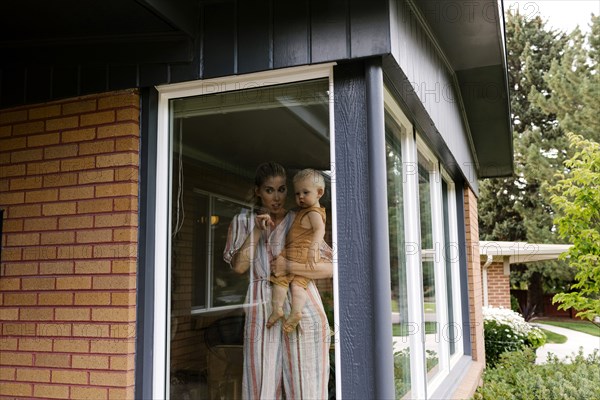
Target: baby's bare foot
274, 317
291, 323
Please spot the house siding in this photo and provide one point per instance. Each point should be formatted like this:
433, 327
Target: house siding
69, 187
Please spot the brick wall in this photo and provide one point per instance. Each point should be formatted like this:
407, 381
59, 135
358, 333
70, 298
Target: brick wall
69, 185
498, 286
474, 275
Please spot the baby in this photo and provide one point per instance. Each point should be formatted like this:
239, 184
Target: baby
303, 244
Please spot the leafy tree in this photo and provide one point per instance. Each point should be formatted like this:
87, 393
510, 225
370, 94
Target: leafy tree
518, 208
577, 196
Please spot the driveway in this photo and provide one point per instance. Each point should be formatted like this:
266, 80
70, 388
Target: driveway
575, 340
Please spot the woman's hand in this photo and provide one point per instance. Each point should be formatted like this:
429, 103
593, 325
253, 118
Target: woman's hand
263, 221
282, 266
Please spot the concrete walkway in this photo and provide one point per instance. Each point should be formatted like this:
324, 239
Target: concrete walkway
575, 340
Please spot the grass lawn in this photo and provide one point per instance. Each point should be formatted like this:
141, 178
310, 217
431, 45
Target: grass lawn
581, 326
552, 337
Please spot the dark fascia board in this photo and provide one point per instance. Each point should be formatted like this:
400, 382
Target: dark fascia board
121, 49
485, 98
183, 15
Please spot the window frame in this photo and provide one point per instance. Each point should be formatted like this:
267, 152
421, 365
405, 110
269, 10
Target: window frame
413, 148
162, 216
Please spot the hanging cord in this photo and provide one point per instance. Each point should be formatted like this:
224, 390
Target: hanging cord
180, 205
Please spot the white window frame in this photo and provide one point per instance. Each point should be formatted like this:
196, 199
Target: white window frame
162, 281
411, 145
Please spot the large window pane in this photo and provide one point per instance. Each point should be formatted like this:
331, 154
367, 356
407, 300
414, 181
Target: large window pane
401, 327
430, 306
218, 140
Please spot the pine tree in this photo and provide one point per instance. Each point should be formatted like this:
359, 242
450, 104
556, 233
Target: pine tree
518, 208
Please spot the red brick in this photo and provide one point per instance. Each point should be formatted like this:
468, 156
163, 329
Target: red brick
43, 140
34, 182
16, 389
10, 117
51, 391
80, 106
28, 128
43, 168
13, 170
56, 268
97, 147
78, 135
26, 155
37, 283
62, 123
67, 150
36, 314
98, 118
39, 196
125, 129
65, 179
32, 210
33, 375
44, 112
13, 143
76, 193
63, 208
78, 164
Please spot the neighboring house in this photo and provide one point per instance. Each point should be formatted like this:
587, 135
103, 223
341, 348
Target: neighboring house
129, 133
496, 258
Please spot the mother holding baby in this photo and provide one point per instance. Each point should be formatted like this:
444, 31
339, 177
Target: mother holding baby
277, 362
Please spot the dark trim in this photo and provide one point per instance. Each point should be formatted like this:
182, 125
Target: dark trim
145, 275
181, 15
463, 266
380, 252
1, 223
355, 297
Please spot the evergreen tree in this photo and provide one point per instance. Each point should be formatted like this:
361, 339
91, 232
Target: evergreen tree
518, 208
575, 78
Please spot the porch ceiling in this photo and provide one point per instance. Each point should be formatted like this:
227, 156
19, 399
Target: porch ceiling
521, 252
471, 35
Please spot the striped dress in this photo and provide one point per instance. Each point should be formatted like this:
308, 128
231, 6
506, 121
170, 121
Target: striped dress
275, 363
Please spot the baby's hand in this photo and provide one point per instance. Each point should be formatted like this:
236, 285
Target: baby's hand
263, 221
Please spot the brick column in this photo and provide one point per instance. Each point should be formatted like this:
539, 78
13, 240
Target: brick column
498, 286
474, 275
69, 184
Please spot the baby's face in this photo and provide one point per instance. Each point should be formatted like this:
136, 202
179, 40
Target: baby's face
307, 193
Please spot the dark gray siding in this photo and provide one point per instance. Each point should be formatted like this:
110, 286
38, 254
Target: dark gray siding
428, 86
233, 37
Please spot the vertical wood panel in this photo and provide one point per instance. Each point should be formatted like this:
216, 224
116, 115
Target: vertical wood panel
93, 79
65, 82
255, 50
369, 28
290, 33
329, 34
39, 84
219, 39
354, 249
122, 77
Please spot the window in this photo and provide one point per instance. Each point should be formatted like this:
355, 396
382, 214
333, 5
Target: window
215, 135
423, 261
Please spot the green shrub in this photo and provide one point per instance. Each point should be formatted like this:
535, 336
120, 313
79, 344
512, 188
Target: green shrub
506, 330
516, 376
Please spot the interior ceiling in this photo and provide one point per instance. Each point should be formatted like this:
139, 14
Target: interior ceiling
244, 139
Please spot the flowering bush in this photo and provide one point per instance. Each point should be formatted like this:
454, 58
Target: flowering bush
506, 330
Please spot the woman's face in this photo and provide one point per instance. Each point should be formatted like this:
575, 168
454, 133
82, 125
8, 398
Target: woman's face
272, 194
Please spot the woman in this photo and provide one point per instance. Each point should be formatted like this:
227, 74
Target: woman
274, 361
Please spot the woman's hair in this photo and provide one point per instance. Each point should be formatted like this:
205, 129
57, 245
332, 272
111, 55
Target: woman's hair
263, 172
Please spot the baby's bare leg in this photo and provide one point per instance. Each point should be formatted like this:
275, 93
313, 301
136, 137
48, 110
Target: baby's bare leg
299, 297
278, 296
